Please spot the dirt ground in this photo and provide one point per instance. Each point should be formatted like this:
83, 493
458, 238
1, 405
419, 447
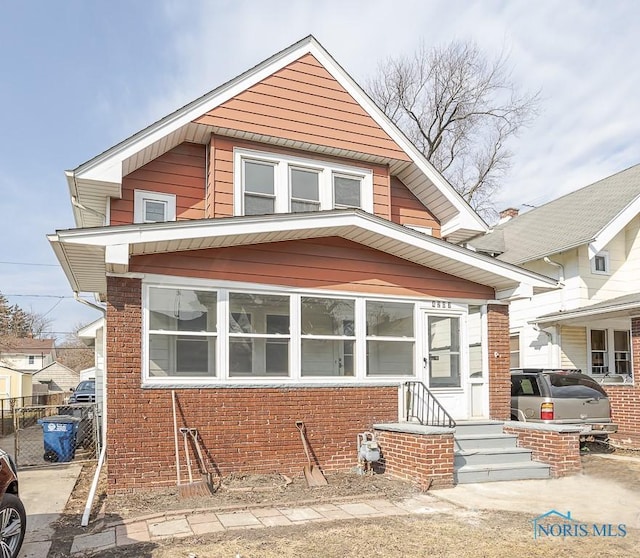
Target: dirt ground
494, 534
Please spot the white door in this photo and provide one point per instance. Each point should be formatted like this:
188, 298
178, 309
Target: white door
443, 362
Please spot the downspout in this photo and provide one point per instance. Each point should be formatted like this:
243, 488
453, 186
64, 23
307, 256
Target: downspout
103, 451
560, 279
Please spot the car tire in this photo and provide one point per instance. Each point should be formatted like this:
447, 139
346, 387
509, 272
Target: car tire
13, 525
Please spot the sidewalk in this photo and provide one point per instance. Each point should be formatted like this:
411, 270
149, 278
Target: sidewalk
186, 523
44, 491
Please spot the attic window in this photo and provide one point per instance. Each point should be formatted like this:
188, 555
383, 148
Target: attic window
153, 207
600, 264
267, 183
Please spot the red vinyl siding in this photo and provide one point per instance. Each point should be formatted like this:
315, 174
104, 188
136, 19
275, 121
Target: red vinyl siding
406, 209
221, 171
331, 263
303, 102
180, 171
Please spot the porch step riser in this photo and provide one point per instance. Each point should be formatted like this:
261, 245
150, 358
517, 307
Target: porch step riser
493, 458
491, 442
487, 429
504, 474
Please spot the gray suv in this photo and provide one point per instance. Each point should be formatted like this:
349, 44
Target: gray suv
561, 396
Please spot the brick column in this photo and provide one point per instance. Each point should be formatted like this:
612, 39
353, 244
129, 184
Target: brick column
499, 361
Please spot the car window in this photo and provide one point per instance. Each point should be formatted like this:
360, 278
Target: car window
524, 385
86, 386
574, 385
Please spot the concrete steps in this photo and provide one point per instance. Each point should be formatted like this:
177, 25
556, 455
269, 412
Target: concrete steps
483, 453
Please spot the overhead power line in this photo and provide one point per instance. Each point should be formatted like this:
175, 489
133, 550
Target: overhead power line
30, 263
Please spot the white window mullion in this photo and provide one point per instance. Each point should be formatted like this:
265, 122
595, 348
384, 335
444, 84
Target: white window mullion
295, 356
282, 188
223, 334
361, 339
326, 189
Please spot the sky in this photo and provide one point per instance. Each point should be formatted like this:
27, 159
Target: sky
79, 77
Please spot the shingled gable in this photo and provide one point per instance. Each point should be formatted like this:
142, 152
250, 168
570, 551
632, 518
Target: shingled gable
301, 89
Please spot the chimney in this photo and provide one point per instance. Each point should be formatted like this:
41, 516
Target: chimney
507, 214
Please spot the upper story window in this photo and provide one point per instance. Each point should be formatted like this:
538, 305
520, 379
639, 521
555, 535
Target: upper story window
32, 359
266, 183
600, 264
153, 207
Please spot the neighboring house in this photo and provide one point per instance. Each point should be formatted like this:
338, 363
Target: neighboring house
14, 383
277, 251
57, 377
590, 241
28, 355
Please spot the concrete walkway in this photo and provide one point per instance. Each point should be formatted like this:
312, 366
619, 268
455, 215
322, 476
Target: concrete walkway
186, 523
44, 491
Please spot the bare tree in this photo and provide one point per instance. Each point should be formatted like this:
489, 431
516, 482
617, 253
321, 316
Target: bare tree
74, 353
460, 109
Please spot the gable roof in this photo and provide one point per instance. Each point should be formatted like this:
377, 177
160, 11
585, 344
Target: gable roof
87, 255
592, 215
95, 180
28, 345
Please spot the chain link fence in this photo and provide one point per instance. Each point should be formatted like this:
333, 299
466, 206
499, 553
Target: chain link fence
57, 433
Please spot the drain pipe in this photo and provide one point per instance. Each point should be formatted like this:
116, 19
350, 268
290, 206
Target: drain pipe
94, 485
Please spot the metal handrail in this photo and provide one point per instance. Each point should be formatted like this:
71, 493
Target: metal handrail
422, 405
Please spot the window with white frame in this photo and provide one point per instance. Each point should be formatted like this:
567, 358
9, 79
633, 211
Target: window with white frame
259, 335
444, 351
266, 183
514, 350
327, 336
182, 325
153, 207
622, 352
32, 359
600, 264
390, 338
599, 353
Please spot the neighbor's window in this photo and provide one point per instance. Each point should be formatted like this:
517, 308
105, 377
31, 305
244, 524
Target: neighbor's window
444, 351
328, 336
266, 183
259, 335
514, 351
153, 207
32, 359
599, 357
390, 338
182, 332
600, 263
622, 352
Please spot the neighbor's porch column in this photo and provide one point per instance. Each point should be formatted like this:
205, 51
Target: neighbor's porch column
499, 361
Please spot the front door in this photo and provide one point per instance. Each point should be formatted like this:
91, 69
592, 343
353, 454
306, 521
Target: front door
443, 362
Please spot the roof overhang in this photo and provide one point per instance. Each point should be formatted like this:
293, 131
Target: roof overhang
101, 177
622, 307
87, 256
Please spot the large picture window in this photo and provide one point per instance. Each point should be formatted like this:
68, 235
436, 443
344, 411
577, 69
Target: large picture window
390, 339
182, 332
328, 336
266, 183
259, 335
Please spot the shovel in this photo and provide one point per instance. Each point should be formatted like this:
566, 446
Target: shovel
312, 474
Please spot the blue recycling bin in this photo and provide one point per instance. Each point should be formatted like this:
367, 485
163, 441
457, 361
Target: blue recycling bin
59, 432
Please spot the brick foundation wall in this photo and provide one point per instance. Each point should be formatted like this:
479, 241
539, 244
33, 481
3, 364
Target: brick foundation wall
425, 459
625, 411
499, 362
561, 450
243, 430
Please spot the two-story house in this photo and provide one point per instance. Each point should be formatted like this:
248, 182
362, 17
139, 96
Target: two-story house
278, 251
590, 241
20, 359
